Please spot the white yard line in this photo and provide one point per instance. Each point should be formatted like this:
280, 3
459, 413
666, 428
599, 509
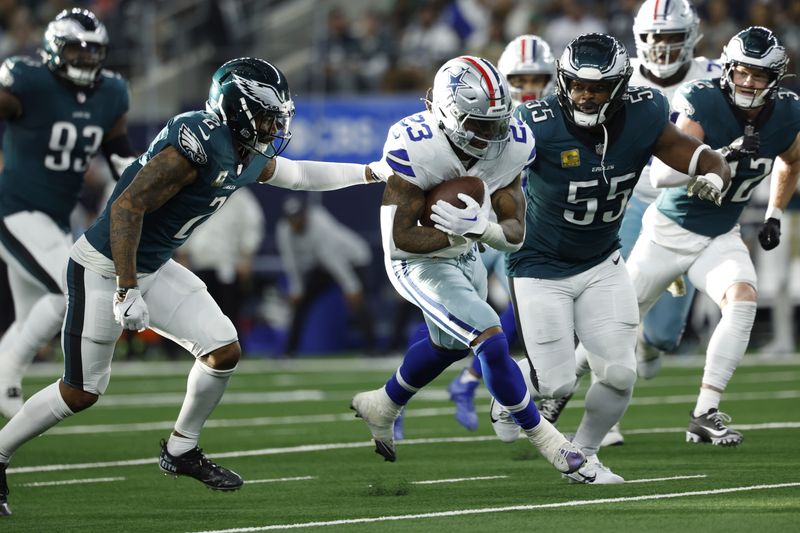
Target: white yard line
278, 479
672, 478
456, 480
486, 510
72, 482
350, 445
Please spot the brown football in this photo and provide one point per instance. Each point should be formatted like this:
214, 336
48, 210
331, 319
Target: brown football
448, 191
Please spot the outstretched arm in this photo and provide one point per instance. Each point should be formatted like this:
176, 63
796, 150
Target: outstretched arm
314, 175
158, 181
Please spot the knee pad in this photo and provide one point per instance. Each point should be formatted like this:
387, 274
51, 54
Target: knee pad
620, 377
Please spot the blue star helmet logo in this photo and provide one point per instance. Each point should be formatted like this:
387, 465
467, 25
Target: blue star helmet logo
457, 82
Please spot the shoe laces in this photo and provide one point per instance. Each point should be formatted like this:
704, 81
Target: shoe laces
719, 419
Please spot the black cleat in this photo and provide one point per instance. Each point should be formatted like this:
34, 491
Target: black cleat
195, 464
4, 509
551, 409
711, 427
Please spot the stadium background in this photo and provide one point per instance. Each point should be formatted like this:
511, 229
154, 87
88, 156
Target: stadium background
355, 67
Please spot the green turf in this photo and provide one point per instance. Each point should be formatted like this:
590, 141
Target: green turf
351, 483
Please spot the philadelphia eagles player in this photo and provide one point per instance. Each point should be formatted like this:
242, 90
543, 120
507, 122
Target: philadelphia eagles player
61, 109
755, 124
120, 275
594, 137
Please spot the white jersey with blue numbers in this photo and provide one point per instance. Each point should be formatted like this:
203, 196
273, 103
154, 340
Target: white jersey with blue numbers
777, 125
418, 151
700, 68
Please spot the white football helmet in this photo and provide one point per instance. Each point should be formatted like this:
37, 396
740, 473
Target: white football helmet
528, 54
472, 104
658, 17
755, 47
593, 57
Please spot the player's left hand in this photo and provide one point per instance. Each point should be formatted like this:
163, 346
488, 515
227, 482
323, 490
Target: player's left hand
130, 310
706, 187
471, 220
770, 234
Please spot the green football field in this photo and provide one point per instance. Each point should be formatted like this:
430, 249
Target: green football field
309, 464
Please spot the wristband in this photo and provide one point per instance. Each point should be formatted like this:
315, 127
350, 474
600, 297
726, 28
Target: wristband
692, 171
773, 212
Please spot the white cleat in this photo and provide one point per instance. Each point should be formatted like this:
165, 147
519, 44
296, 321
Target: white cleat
613, 437
561, 453
379, 412
10, 398
504, 426
594, 473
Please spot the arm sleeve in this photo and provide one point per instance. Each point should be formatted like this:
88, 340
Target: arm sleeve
316, 175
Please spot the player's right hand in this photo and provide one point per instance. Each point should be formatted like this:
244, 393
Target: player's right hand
706, 187
744, 146
130, 310
770, 234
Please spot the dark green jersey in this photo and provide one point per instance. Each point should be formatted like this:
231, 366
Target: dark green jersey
48, 148
199, 137
575, 203
777, 125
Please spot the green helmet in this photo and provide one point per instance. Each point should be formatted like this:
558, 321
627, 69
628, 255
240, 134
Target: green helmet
75, 45
251, 96
756, 47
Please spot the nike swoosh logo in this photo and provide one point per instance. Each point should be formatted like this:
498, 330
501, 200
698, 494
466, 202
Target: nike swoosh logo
616, 261
125, 314
717, 432
473, 219
203, 134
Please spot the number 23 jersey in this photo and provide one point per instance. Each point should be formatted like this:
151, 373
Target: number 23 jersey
48, 148
576, 195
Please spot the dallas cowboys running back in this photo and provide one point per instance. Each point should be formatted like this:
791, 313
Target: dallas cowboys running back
755, 124
467, 130
593, 139
120, 275
61, 109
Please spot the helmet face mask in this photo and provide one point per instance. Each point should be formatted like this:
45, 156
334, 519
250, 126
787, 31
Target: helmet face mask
251, 96
525, 57
75, 46
594, 63
752, 57
666, 34
471, 102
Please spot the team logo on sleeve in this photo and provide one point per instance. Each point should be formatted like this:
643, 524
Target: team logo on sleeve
570, 159
191, 145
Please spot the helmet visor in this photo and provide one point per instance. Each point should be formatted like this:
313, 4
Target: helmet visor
272, 133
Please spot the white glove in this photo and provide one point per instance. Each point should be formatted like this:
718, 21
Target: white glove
471, 220
131, 311
120, 163
706, 187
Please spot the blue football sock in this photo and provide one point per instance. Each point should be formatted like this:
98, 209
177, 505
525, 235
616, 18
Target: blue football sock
422, 364
476, 367
504, 380
508, 321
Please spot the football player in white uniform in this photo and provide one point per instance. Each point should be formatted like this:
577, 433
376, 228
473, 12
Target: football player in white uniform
467, 129
529, 66
666, 34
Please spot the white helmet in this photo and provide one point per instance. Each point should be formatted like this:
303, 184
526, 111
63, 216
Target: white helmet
658, 17
593, 57
472, 104
528, 54
755, 47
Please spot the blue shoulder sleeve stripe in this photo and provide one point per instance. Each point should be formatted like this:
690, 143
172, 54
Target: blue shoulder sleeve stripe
400, 155
532, 156
400, 168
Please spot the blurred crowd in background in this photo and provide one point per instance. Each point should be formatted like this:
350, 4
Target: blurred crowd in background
167, 49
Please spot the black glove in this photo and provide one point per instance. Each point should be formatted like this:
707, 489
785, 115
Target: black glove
742, 147
770, 234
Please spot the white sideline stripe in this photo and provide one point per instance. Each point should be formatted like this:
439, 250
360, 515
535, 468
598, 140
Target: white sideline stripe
654, 479
349, 445
72, 482
456, 480
348, 417
442, 514
278, 479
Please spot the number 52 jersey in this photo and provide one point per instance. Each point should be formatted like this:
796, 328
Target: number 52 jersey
48, 148
578, 186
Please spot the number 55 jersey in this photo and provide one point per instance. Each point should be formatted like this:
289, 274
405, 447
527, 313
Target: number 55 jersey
579, 184
48, 148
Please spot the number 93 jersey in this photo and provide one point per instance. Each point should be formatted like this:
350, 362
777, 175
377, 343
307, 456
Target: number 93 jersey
199, 137
48, 148
777, 126
576, 195
418, 151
